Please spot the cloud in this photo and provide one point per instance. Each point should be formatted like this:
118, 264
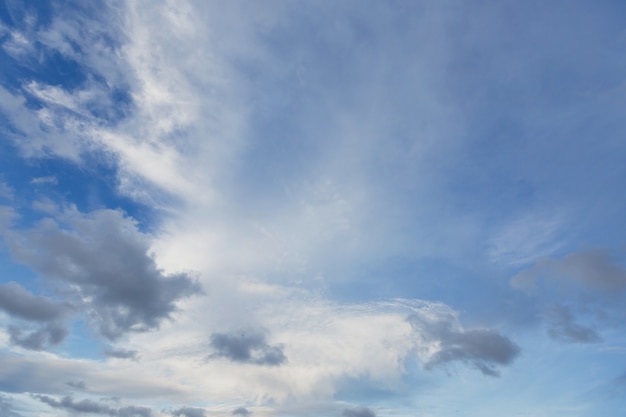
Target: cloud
358, 412
483, 348
49, 180
88, 406
77, 384
189, 412
121, 353
563, 328
103, 259
586, 286
40, 338
6, 407
591, 269
241, 411
247, 348
47, 375
68, 403
18, 302
48, 314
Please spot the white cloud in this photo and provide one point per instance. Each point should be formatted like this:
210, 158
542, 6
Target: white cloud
50, 180
323, 342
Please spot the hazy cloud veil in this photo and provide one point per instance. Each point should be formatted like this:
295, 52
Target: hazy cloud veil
287, 208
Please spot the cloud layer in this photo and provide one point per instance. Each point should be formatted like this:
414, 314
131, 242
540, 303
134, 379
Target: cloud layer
214, 206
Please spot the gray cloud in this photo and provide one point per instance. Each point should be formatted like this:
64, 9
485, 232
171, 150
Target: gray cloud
247, 348
122, 354
241, 411
590, 283
358, 412
133, 411
562, 327
77, 384
40, 338
593, 269
189, 412
68, 403
20, 303
104, 258
93, 407
482, 348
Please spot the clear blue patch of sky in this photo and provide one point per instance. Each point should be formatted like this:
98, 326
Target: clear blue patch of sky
81, 343
91, 185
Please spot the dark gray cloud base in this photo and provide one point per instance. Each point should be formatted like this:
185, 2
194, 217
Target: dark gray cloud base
358, 412
482, 348
40, 338
105, 259
122, 354
562, 327
20, 303
189, 412
241, 411
45, 316
87, 406
247, 348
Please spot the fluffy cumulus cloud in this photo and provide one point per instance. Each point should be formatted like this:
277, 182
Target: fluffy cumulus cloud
103, 261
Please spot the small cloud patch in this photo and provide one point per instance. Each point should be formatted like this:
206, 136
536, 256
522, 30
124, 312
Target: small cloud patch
247, 348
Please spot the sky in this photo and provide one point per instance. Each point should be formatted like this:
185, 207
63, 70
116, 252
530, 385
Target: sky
312, 208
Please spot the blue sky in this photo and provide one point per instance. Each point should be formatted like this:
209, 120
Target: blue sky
288, 208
